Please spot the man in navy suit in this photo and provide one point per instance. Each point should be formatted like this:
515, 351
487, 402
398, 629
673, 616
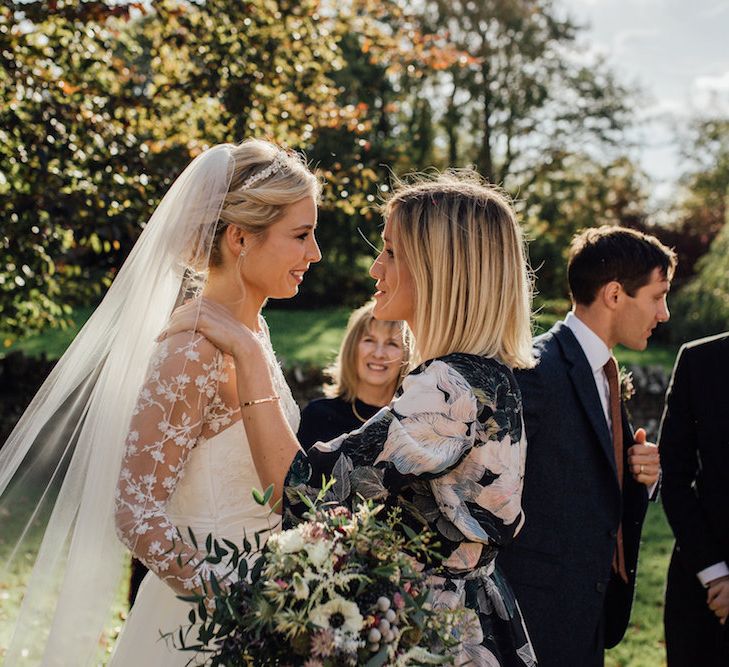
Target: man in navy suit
588, 476
695, 489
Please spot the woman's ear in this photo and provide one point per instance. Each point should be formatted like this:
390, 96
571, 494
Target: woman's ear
235, 240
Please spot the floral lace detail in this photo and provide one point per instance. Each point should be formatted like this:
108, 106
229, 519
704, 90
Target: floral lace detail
180, 404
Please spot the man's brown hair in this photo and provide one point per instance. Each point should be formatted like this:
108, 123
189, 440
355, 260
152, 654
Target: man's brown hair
603, 254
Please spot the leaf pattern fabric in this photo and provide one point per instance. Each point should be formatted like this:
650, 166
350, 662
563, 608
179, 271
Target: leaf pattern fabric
450, 453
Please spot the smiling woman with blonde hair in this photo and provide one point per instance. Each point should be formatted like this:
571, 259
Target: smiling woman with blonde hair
449, 450
370, 365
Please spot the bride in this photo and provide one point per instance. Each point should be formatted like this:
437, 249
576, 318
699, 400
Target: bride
134, 439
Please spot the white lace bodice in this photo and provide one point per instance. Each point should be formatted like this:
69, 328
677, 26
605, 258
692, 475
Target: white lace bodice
187, 462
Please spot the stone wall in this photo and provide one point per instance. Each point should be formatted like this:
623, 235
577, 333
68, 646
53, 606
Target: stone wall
646, 406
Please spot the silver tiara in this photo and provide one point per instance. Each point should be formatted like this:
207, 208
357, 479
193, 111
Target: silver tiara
278, 163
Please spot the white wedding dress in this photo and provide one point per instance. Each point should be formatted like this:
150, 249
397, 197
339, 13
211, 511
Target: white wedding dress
199, 442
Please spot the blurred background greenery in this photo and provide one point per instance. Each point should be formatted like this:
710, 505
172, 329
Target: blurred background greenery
107, 101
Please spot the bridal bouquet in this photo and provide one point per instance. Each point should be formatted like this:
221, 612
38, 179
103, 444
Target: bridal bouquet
342, 588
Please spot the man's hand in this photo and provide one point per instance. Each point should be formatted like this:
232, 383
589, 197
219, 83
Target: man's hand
717, 597
645, 464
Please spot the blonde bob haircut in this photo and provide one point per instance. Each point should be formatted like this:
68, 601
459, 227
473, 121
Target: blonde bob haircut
343, 371
460, 240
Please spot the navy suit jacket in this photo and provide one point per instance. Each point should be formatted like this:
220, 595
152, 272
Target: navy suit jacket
560, 564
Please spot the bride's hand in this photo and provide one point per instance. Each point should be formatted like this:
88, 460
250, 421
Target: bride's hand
216, 323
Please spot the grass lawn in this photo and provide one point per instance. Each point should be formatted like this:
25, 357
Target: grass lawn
643, 645
307, 336
14, 580
298, 336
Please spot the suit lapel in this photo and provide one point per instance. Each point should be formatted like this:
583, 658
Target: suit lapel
584, 383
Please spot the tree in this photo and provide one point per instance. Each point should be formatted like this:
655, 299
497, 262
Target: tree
702, 307
71, 181
105, 111
386, 65
521, 88
570, 192
703, 202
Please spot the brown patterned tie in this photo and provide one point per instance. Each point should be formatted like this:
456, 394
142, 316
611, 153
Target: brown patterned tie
611, 372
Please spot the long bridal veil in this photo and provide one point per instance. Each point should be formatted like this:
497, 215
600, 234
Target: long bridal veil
59, 468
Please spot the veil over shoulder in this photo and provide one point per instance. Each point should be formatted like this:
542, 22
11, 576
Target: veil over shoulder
59, 467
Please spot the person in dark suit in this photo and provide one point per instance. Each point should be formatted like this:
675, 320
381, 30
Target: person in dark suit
694, 443
588, 476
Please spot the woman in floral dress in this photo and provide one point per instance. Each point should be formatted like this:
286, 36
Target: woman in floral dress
450, 449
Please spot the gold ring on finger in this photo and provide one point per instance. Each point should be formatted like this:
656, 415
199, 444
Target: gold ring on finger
641, 468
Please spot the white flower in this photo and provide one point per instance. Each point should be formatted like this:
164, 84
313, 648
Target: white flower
338, 613
289, 541
142, 528
346, 643
301, 589
503, 496
318, 553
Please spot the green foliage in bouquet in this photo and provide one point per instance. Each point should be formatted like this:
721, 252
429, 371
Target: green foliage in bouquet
341, 588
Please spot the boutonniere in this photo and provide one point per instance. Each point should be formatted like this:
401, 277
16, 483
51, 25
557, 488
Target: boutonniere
627, 388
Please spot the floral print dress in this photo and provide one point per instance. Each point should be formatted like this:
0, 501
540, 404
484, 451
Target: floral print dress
450, 452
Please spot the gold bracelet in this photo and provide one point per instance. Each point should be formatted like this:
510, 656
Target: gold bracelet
268, 399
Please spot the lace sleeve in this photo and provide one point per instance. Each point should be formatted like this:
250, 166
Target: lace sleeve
178, 401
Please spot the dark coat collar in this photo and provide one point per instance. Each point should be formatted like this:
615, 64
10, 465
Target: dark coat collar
584, 384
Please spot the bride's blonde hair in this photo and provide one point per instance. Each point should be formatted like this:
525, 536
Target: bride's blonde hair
460, 239
256, 207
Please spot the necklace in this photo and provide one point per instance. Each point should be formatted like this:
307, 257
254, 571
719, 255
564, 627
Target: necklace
356, 414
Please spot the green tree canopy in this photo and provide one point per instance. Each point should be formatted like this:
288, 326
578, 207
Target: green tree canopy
109, 101
569, 192
71, 155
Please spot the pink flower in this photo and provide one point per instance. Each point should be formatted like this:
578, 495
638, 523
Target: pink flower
322, 643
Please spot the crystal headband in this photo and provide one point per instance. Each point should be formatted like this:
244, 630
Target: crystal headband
278, 163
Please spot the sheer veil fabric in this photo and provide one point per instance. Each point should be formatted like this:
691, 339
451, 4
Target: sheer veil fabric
59, 468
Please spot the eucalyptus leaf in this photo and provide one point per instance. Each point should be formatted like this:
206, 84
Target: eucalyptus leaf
378, 659
258, 497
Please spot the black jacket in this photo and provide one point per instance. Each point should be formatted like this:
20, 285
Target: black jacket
694, 445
